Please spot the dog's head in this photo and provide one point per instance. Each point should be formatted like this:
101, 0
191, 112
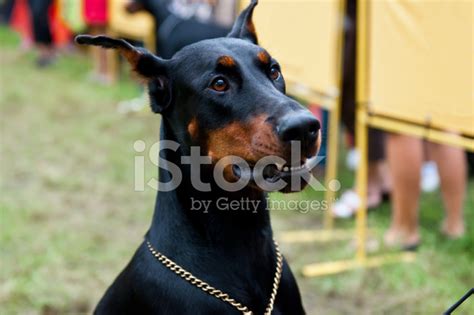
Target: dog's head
227, 95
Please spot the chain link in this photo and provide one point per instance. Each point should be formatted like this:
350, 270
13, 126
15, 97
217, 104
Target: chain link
206, 287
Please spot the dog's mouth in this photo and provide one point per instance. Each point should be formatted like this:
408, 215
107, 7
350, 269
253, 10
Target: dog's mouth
274, 172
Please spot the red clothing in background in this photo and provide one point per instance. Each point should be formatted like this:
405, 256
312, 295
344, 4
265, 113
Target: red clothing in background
95, 12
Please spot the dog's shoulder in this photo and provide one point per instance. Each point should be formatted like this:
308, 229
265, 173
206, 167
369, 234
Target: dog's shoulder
122, 296
145, 286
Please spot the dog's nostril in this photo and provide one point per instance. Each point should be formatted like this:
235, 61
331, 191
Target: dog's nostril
299, 127
314, 128
291, 134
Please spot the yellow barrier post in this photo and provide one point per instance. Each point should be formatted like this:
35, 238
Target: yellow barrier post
361, 127
361, 260
361, 183
332, 151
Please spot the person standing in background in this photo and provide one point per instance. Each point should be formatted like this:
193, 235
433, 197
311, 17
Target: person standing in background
39, 10
6, 8
95, 16
405, 157
379, 180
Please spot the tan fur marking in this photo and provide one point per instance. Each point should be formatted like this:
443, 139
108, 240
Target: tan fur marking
251, 27
193, 128
263, 57
132, 56
226, 61
251, 141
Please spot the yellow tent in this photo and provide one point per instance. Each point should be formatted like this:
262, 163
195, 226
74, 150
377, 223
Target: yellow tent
420, 63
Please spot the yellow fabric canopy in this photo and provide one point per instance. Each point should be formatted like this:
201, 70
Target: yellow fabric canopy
303, 36
420, 59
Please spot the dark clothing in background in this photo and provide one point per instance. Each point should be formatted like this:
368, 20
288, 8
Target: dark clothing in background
348, 97
470, 163
6, 8
40, 18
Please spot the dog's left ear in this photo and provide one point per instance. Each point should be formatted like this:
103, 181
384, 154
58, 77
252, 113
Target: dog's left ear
148, 66
243, 27
144, 63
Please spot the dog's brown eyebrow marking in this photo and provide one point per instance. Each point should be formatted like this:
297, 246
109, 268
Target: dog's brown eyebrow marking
263, 57
226, 61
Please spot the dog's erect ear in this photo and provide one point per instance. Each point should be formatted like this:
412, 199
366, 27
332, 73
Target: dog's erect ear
142, 61
148, 66
243, 27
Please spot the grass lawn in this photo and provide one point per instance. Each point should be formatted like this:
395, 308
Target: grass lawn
71, 220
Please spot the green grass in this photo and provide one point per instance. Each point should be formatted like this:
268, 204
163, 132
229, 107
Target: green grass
67, 168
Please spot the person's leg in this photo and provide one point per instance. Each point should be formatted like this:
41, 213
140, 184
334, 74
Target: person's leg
451, 163
41, 30
100, 73
404, 156
378, 177
375, 184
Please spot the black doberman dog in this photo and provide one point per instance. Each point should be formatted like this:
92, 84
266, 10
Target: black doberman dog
174, 32
226, 96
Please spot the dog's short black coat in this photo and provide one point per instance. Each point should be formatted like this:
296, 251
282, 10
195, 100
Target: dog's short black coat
226, 96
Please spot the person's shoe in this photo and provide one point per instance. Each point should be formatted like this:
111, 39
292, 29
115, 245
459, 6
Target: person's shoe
352, 159
398, 239
347, 205
45, 61
452, 231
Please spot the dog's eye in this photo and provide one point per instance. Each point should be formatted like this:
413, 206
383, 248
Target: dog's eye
274, 73
219, 85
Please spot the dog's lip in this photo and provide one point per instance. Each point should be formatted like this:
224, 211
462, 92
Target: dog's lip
307, 166
275, 171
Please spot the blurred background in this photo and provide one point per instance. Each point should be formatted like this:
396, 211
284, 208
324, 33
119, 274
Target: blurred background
70, 117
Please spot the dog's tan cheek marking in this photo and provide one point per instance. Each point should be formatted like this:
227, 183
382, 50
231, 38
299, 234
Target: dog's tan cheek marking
233, 139
250, 141
193, 128
264, 140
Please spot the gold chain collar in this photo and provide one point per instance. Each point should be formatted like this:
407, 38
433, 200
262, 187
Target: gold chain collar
206, 287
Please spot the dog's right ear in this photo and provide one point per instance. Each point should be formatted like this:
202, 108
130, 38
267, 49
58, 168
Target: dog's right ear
148, 66
243, 27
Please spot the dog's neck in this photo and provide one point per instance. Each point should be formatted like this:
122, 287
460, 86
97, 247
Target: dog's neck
206, 215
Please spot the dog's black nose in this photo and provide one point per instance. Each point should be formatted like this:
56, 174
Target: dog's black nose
299, 126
